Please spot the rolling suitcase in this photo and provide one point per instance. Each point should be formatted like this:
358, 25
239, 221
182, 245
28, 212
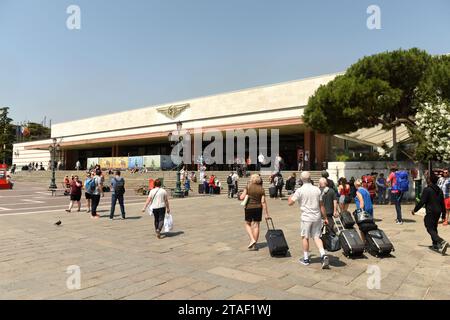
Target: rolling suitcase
378, 243
276, 241
351, 243
347, 220
364, 221
272, 192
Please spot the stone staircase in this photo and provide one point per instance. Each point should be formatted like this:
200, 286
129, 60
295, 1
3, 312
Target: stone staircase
137, 180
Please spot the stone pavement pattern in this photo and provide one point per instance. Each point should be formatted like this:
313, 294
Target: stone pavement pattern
205, 258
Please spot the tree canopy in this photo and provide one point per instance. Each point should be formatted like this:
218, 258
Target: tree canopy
384, 89
6, 136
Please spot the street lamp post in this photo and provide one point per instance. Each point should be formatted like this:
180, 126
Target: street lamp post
53, 148
178, 193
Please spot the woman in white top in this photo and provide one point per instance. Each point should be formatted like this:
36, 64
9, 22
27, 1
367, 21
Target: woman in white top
159, 204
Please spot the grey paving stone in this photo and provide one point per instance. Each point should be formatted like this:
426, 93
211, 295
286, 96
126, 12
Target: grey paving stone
124, 260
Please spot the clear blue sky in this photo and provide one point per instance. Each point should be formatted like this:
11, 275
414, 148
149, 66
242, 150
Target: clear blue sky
132, 54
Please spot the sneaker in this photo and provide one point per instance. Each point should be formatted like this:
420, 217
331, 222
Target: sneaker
123, 218
325, 262
111, 219
67, 210
399, 222
305, 262
444, 247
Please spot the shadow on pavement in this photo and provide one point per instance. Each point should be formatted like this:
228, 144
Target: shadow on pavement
334, 261
172, 234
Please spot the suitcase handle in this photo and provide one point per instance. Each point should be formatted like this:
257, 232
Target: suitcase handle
338, 223
267, 222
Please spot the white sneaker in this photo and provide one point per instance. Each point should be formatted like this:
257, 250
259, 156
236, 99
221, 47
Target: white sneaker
325, 262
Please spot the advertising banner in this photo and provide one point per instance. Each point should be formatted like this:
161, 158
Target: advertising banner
92, 162
120, 163
152, 163
135, 162
166, 163
105, 163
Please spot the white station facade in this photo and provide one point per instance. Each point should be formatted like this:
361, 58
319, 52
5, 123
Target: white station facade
144, 132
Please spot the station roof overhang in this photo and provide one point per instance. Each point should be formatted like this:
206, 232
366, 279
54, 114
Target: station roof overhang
376, 136
285, 126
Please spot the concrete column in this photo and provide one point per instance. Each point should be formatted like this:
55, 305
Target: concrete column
321, 149
307, 142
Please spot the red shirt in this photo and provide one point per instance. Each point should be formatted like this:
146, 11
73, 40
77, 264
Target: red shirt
75, 188
211, 181
345, 190
393, 180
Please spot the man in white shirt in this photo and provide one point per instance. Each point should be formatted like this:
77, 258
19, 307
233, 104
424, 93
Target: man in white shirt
261, 161
308, 197
235, 178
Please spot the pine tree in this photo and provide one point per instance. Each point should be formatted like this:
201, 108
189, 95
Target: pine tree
6, 136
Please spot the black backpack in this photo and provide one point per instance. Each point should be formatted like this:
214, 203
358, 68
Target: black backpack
230, 180
280, 182
119, 187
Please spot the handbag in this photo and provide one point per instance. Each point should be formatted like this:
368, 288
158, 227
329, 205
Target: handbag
362, 216
245, 201
150, 207
168, 223
330, 239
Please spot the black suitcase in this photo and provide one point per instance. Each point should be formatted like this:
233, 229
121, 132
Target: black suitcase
367, 226
276, 241
351, 243
362, 216
272, 192
347, 220
378, 243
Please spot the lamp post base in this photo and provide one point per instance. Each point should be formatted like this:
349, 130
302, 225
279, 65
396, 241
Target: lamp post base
53, 186
178, 194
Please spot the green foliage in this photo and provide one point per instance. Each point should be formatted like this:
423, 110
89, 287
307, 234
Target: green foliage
37, 132
436, 85
342, 157
348, 103
384, 89
6, 136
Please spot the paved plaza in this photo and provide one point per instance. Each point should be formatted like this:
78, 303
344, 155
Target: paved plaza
205, 257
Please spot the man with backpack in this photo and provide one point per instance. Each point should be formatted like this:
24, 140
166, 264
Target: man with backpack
95, 187
230, 185
433, 200
117, 193
279, 183
399, 183
330, 183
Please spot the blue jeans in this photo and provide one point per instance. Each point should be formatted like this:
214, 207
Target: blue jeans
211, 190
398, 202
114, 199
381, 196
